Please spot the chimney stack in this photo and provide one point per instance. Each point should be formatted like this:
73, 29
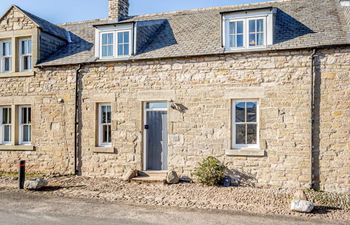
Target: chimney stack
118, 9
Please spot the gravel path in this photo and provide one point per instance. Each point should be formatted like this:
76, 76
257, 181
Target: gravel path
188, 195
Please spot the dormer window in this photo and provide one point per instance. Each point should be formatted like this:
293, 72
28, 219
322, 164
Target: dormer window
248, 30
114, 41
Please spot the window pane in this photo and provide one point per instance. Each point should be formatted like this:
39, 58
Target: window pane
106, 133
251, 134
240, 112
7, 133
104, 114
260, 25
240, 40
104, 51
120, 37
240, 134
26, 132
252, 27
108, 109
260, 39
24, 116
29, 115
232, 41
252, 40
4, 116
126, 49
157, 105
126, 37
7, 64
232, 27
120, 50
29, 42
251, 111
240, 27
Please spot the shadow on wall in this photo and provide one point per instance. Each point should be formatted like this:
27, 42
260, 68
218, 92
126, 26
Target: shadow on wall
288, 28
244, 179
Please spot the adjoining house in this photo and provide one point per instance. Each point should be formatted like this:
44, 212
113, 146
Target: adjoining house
263, 87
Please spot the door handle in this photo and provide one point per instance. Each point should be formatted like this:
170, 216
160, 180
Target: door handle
146, 127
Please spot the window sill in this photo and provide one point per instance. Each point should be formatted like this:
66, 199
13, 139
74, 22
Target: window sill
104, 150
17, 148
249, 152
17, 74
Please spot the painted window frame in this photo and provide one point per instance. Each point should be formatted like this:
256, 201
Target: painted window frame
246, 33
123, 43
229, 34
256, 32
101, 45
101, 143
115, 29
2, 125
4, 57
115, 33
22, 124
23, 55
234, 144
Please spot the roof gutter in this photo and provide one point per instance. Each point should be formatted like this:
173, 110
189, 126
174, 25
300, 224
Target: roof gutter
199, 55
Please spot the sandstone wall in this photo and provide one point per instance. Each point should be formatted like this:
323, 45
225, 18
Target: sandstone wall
205, 86
52, 122
15, 21
334, 120
202, 85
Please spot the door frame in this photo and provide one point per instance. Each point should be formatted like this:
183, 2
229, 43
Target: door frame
145, 110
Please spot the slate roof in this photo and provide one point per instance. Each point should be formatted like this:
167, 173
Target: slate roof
45, 26
299, 24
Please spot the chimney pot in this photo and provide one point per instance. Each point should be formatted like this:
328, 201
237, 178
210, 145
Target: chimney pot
118, 9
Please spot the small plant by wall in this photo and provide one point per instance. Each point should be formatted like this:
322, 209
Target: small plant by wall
210, 171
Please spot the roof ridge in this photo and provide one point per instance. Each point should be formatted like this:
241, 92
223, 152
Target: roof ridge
176, 12
211, 8
82, 21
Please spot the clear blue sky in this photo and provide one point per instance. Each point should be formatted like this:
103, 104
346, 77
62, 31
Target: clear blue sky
60, 11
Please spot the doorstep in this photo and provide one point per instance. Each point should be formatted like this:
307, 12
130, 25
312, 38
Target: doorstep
150, 176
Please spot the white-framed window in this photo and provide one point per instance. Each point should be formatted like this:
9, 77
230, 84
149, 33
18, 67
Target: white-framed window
248, 30
123, 43
107, 45
104, 125
25, 127
25, 53
113, 42
6, 125
5, 56
245, 124
236, 34
257, 32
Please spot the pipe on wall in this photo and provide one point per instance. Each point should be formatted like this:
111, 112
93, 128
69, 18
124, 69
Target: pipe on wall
76, 121
312, 107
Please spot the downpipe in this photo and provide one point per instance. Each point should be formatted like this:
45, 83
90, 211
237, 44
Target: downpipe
76, 121
312, 107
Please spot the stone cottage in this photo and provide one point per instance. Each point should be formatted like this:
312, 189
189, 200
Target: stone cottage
263, 87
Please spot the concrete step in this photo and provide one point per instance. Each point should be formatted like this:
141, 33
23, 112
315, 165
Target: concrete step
150, 176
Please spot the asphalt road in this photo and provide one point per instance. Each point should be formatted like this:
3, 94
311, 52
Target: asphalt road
28, 209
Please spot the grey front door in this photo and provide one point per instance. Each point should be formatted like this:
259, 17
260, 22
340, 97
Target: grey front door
156, 130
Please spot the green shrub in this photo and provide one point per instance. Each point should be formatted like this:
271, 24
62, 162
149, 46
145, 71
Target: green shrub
210, 171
